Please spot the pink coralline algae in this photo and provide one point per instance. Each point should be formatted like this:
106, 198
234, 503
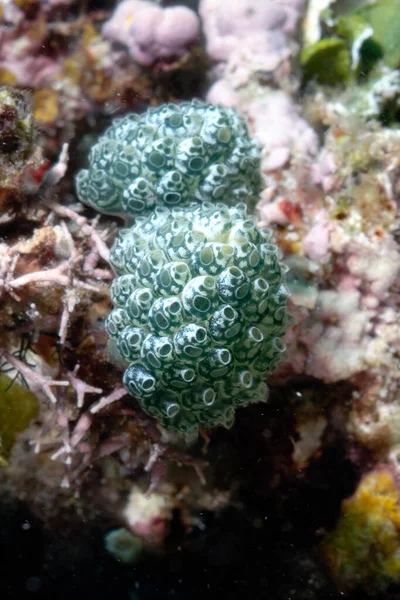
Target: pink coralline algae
151, 32
348, 234
316, 242
280, 129
336, 220
338, 337
250, 41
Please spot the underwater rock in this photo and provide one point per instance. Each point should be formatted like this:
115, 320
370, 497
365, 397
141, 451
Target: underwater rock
18, 153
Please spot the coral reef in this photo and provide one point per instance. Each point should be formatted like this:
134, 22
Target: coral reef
333, 205
335, 211
79, 456
347, 290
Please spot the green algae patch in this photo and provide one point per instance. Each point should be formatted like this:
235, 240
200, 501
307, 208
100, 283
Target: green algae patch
18, 406
353, 44
384, 18
327, 62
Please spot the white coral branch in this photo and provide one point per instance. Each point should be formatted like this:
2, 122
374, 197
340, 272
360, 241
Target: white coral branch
56, 276
57, 172
106, 400
89, 230
81, 387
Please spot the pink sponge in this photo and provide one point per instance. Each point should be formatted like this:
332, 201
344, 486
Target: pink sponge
151, 32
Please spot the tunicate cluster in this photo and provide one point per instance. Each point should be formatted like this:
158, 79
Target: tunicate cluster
172, 156
200, 311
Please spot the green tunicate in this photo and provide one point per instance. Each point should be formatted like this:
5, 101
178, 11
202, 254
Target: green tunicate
217, 364
121, 289
204, 330
166, 315
233, 286
171, 156
191, 342
138, 306
199, 296
172, 278
226, 325
130, 342
139, 381
116, 322
122, 545
211, 257
157, 352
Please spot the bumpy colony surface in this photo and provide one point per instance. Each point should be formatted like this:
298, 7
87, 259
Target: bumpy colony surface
200, 311
172, 156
